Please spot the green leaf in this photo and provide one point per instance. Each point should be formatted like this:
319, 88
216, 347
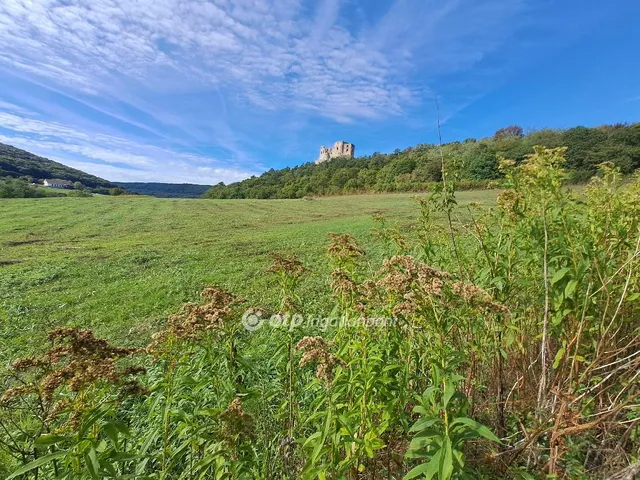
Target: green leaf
417, 471
449, 390
559, 275
570, 288
49, 439
111, 432
36, 463
424, 423
446, 460
559, 356
429, 469
91, 459
476, 427
311, 438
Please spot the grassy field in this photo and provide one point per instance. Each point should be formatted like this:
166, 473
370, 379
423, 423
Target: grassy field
120, 265
499, 346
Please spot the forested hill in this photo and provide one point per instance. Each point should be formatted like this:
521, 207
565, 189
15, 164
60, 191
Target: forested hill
414, 168
18, 163
166, 190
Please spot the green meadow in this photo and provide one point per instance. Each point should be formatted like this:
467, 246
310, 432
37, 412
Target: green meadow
120, 265
505, 340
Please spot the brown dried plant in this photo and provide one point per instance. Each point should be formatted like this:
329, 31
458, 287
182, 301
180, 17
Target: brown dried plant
402, 272
236, 422
288, 270
316, 350
478, 297
194, 319
290, 266
76, 361
411, 280
344, 248
342, 284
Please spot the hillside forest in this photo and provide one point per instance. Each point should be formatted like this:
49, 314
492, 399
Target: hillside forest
475, 163
17, 163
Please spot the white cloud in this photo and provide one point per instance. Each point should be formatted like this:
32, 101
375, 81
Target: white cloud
275, 54
115, 158
145, 64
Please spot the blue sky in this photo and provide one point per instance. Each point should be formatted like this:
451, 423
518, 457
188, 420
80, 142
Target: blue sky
204, 91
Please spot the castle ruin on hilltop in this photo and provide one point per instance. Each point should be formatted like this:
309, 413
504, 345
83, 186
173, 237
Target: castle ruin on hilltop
340, 149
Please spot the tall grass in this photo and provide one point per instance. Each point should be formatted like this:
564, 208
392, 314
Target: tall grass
510, 349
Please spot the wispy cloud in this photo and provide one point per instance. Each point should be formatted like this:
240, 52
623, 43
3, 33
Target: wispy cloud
272, 53
259, 61
115, 157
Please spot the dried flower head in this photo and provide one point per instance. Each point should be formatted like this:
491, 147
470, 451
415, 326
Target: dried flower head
508, 201
316, 350
343, 285
290, 266
236, 422
477, 296
193, 319
402, 273
344, 248
367, 294
76, 361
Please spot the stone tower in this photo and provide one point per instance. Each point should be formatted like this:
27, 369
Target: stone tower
340, 149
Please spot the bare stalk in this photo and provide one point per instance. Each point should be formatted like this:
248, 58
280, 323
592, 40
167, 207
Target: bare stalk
545, 323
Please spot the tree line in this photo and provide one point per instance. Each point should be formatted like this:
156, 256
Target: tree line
474, 161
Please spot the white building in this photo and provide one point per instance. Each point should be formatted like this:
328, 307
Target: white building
57, 183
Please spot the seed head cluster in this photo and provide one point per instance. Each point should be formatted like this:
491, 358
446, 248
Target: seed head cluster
75, 361
402, 273
412, 281
477, 296
193, 319
342, 284
289, 266
509, 201
316, 350
344, 248
236, 422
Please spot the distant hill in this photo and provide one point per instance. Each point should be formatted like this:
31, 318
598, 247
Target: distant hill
165, 190
16, 163
417, 168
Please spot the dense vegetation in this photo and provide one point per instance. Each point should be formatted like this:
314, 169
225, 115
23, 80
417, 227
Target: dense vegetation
415, 169
18, 163
165, 190
508, 348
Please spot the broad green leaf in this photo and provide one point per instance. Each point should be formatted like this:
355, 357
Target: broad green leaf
446, 460
570, 288
417, 471
91, 460
424, 423
49, 439
476, 427
428, 469
311, 438
559, 356
449, 390
559, 275
36, 464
